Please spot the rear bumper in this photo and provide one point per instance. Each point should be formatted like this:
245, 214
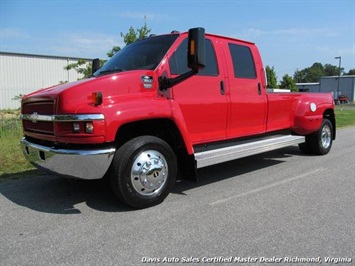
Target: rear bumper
83, 164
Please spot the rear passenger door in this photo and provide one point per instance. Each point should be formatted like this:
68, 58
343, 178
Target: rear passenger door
247, 94
201, 98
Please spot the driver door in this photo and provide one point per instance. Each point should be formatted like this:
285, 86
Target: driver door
201, 98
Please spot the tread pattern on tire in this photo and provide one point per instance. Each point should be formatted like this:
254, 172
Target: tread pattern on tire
121, 167
313, 141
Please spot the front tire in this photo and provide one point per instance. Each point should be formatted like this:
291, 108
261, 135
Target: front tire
143, 171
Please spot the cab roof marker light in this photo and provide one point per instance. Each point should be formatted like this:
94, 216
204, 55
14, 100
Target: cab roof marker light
96, 98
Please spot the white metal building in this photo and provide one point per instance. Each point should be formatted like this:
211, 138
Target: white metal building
343, 86
25, 73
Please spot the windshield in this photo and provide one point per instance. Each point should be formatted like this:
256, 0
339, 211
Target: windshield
142, 54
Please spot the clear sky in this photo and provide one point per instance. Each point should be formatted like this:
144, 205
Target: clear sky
291, 34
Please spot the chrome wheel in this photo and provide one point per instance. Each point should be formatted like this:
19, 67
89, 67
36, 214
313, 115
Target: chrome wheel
149, 173
320, 142
143, 171
326, 136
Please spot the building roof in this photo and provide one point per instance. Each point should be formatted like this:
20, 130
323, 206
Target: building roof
46, 56
343, 76
307, 83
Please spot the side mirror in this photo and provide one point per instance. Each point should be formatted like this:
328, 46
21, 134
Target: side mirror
196, 49
95, 65
195, 59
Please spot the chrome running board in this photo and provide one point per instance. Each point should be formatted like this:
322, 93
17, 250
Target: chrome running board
226, 154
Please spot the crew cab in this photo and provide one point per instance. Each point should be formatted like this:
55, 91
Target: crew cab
165, 106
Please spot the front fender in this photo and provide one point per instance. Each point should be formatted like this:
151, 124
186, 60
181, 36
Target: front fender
134, 109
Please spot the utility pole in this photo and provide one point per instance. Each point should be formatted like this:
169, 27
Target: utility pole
68, 69
338, 92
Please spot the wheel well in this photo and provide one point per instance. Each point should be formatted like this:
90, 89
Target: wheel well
161, 128
329, 114
166, 130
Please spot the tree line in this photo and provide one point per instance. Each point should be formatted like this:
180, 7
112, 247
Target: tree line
131, 36
306, 75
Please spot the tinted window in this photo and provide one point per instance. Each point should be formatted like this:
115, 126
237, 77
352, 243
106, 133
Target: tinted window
243, 62
178, 61
142, 54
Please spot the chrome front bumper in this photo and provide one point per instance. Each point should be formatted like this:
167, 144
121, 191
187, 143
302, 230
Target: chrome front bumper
83, 164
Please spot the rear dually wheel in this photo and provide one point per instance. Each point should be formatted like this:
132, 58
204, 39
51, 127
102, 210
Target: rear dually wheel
319, 142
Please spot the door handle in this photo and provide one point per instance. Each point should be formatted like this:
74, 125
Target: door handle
259, 88
222, 87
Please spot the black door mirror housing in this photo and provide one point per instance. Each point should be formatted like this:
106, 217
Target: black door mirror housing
95, 65
195, 59
196, 49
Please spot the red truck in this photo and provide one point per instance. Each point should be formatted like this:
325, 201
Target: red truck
165, 106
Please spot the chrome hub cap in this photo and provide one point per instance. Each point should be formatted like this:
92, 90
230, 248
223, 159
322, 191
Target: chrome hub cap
326, 137
149, 173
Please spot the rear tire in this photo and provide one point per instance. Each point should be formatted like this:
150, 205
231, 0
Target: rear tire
143, 171
320, 142
304, 147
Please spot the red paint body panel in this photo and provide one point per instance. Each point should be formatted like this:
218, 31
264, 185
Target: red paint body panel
281, 110
196, 106
247, 107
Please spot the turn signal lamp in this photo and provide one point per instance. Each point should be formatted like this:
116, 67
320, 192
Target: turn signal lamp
192, 47
96, 98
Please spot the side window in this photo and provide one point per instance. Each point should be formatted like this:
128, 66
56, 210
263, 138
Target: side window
178, 61
243, 61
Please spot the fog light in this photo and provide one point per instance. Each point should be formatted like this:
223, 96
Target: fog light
76, 127
89, 127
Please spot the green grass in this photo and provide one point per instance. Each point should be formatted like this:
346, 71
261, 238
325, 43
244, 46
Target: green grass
13, 163
11, 158
345, 116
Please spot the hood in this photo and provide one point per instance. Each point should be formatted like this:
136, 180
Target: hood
76, 97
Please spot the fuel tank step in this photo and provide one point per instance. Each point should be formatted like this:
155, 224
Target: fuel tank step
211, 157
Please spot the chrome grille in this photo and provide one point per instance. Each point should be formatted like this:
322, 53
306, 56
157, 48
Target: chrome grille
41, 108
39, 127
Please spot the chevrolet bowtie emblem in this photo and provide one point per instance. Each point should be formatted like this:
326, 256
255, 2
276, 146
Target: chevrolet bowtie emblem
34, 117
